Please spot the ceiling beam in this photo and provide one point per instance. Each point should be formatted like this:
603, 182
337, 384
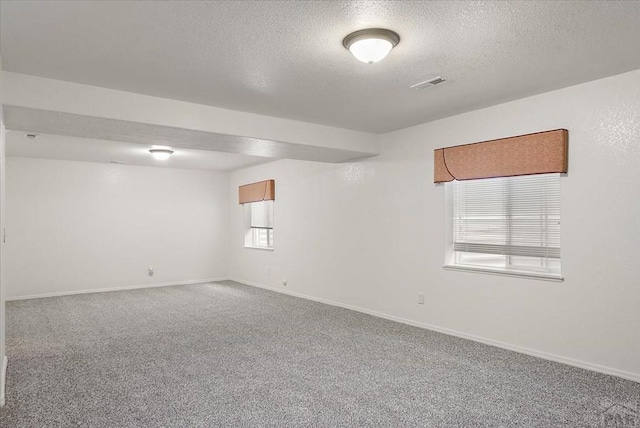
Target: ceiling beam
74, 125
35, 104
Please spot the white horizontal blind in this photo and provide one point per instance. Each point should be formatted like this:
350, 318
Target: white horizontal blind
516, 217
261, 214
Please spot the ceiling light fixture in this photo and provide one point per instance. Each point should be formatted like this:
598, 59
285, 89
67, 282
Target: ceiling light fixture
371, 45
161, 154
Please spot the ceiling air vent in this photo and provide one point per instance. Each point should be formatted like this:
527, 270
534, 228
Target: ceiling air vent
428, 83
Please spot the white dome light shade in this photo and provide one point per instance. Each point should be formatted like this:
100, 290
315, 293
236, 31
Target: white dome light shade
371, 50
371, 45
161, 154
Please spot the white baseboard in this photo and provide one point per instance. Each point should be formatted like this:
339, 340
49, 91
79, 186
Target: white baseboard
3, 380
102, 290
522, 350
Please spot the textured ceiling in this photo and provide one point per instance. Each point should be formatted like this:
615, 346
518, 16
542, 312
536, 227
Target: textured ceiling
286, 58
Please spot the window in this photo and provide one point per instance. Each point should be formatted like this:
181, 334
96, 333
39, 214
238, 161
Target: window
508, 225
258, 220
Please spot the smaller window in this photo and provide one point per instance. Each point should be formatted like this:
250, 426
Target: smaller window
258, 221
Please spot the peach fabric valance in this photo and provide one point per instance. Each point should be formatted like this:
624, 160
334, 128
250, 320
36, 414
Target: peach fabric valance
256, 192
539, 153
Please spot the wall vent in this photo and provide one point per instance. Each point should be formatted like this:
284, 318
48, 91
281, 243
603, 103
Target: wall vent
428, 83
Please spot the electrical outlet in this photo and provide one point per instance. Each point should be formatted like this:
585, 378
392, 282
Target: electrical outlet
421, 298
150, 270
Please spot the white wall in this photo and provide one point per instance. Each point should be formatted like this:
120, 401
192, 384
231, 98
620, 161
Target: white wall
75, 226
2, 262
371, 234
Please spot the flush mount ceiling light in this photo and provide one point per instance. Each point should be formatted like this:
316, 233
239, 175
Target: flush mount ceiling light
371, 45
161, 154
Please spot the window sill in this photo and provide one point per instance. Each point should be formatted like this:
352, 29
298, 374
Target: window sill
519, 274
259, 248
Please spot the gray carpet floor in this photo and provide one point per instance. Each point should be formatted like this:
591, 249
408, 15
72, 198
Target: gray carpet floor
226, 355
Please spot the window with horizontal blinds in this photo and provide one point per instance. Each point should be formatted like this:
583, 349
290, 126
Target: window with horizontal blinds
259, 224
510, 223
